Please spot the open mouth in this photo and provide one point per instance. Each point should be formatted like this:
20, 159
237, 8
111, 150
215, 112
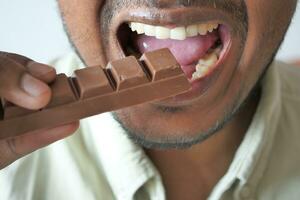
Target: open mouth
202, 40
199, 48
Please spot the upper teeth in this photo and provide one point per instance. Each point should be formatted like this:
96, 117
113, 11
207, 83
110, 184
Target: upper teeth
177, 33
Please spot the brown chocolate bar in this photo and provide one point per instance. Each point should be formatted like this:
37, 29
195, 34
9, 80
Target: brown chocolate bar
94, 90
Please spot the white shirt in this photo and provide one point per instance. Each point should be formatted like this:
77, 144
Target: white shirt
100, 162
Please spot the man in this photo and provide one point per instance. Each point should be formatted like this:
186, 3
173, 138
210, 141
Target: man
234, 135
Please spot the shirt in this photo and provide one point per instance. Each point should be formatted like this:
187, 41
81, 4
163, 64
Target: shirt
101, 162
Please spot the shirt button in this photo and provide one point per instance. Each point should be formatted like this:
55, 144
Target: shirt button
246, 192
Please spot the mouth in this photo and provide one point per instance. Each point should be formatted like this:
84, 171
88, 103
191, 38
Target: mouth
200, 48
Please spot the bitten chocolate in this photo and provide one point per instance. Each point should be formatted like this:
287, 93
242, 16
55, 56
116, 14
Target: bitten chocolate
94, 90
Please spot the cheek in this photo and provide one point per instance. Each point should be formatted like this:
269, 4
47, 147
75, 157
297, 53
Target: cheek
268, 21
81, 20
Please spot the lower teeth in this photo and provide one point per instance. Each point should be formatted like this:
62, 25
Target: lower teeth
205, 64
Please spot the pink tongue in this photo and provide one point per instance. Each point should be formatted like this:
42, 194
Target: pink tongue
186, 51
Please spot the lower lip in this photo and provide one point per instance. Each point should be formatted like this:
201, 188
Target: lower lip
200, 86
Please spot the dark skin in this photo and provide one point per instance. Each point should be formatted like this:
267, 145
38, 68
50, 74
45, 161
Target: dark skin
93, 33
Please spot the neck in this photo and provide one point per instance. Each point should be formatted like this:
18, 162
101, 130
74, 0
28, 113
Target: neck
203, 165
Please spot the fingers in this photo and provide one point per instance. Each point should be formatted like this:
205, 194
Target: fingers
16, 57
40, 71
20, 88
25, 85
13, 148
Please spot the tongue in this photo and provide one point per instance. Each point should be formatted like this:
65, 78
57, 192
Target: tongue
186, 51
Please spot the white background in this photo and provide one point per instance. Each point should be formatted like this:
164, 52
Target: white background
33, 28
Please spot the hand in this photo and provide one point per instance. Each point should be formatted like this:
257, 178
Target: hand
24, 83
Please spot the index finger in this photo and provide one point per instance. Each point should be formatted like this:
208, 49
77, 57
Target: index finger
40, 71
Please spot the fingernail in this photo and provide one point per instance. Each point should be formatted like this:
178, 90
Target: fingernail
39, 69
32, 86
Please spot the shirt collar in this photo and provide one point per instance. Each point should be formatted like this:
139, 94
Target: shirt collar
124, 163
255, 148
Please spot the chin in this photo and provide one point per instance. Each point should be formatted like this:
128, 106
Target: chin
167, 127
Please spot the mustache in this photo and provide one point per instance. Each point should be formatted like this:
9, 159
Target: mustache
232, 6
236, 8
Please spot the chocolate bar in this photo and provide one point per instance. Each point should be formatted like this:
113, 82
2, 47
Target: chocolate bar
94, 90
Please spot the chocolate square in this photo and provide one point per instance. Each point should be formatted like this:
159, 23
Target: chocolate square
161, 64
127, 73
62, 91
91, 82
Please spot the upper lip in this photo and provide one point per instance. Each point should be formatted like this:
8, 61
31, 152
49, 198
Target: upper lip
174, 16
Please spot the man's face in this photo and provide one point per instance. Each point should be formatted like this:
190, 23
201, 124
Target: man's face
246, 37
